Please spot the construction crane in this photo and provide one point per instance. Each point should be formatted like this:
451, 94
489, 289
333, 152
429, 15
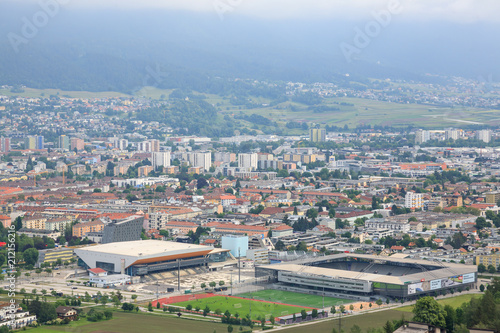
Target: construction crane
35, 174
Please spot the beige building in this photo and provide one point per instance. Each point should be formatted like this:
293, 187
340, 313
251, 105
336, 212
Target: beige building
492, 259
37, 222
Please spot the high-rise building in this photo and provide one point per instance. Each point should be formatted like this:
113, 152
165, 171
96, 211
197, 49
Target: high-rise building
125, 230
64, 142
30, 142
160, 159
248, 161
484, 135
317, 135
203, 160
414, 200
452, 134
422, 136
144, 146
155, 145
39, 142
77, 143
225, 157
4, 144
118, 143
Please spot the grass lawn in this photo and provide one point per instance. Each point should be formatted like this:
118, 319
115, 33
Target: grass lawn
289, 297
365, 321
242, 306
453, 301
137, 322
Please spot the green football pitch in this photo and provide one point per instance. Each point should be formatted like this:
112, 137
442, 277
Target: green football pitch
242, 306
288, 297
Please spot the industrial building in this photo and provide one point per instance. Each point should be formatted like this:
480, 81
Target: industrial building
148, 256
368, 277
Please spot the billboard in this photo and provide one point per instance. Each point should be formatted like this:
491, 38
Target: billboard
469, 278
415, 288
423, 286
435, 284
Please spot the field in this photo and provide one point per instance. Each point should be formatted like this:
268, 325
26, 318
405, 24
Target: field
365, 321
135, 322
453, 301
288, 297
351, 111
242, 306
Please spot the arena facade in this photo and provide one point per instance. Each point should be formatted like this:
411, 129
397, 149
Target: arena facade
148, 256
368, 277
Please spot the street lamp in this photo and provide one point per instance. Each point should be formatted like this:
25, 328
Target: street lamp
231, 282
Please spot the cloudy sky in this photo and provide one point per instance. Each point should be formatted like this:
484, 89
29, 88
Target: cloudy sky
462, 11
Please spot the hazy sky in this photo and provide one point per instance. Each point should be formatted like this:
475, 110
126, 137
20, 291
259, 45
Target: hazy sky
465, 11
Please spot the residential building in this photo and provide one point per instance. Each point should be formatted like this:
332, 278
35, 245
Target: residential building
4, 144
486, 260
248, 161
77, 143
484, 135
317, 135
414, 200
64, 142
422, 136
125, 230
160, 159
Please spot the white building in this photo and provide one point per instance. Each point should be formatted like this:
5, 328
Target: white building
452, 134
160, 159
414, 200
203, 160
484, 135
248, 161
422, 136
110, 280
118, 143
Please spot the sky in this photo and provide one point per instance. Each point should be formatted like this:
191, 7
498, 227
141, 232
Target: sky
458, 11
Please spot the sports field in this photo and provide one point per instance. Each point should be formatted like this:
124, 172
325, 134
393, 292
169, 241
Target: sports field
288, 297
243, 306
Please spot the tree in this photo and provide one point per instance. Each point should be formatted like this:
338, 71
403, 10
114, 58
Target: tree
333, 310
355, 329
201, 183
427, 310
303, 314
481, 223
388, 327
30, 256
314, 313
221, 283
203, 285
280, 246
212, 284
481, 288
481, 268
230, 328
491, 269
379, 302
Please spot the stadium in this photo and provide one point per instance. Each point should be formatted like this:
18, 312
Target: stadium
137, 258
368, 277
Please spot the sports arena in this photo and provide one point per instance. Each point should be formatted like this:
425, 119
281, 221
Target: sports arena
148, 256
366, 277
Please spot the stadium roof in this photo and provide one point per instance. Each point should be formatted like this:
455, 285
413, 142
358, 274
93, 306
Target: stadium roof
145, 248
444, 270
